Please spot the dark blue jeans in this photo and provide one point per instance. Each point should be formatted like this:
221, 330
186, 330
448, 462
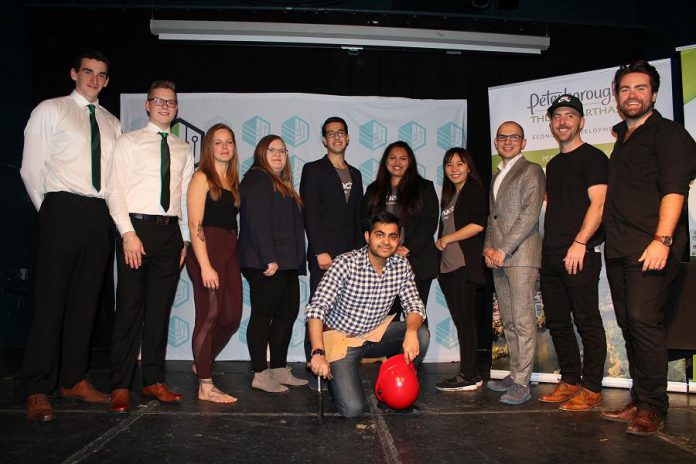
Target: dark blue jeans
346, 386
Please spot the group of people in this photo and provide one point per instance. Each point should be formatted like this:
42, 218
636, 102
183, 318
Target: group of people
372, 257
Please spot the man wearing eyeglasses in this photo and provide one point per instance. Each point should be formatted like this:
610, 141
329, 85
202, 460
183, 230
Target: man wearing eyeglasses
67, 147
148, 180
512, 249
650, 168
331, 191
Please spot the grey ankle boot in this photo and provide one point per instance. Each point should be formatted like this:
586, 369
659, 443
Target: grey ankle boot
265, 381
284, 376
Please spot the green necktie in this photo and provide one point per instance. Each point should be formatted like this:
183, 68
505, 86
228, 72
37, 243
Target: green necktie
164, 150
96, 148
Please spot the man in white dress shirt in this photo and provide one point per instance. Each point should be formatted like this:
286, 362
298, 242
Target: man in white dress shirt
148, 180
67, 146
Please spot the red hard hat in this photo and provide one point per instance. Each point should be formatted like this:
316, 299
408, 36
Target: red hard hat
397, 383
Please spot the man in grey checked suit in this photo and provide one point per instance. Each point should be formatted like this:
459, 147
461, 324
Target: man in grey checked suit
512, 249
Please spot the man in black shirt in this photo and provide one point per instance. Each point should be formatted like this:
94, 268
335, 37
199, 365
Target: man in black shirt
649, 172
576, 184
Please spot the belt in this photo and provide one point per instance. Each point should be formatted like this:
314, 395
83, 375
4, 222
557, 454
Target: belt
159, 220
326, 328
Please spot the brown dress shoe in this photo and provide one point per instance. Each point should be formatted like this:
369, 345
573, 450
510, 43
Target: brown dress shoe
646, 422
39, 408
583, 401
84, 391
120, 401
162, 393
562, 392
625, 414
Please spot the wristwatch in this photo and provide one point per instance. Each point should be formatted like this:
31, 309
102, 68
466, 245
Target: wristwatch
318, 352
666, 240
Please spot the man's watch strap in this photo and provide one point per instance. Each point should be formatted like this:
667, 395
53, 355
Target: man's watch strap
666, 240
318, 352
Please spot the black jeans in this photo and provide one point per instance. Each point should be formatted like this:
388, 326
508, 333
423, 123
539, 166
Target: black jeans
639, 299
275, 303
460, 295
565, 294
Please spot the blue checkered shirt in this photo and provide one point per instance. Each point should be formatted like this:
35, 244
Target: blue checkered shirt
354, 299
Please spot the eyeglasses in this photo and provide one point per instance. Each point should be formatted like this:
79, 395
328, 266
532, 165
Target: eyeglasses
336, 134
512, 137
273, 151
161, 102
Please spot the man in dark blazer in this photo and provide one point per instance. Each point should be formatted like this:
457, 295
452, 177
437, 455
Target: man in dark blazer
331, 191
512, 248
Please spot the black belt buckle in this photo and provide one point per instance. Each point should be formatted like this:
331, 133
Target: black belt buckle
163, 220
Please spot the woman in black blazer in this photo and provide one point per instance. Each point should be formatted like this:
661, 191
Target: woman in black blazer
271, 255
462, 222
401, 190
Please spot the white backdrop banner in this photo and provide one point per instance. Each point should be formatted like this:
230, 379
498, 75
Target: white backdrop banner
688, 66
527, 103
429, 126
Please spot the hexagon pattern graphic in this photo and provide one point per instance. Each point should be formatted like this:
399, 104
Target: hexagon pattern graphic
296, 164
298, 331
178, 331
255, 129
368, 169
413, 134
295, 131
440, 297
373, 135
246, 295
446, 333
439, 175
243, 330
182, 293
246, 164
422, 170
450, 135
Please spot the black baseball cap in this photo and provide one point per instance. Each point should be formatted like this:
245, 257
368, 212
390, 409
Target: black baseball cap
571, 101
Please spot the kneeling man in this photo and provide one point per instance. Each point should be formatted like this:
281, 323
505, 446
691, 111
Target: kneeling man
348, 316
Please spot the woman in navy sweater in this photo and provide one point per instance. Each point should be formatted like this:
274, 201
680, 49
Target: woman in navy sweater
272, 255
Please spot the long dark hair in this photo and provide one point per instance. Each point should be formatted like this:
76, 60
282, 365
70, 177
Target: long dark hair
448, 188
207, 165
408, 192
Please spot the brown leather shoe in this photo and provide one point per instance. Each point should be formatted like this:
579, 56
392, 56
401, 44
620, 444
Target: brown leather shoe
120, 401
625, 414
583, 401
162, 393
39, 408
646, 422
562, 392
84, 391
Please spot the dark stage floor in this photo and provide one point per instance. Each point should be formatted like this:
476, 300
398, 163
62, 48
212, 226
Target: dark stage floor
265, 428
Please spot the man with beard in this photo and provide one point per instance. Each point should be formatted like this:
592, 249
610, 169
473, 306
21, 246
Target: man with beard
649, 172
348, 318
576, 184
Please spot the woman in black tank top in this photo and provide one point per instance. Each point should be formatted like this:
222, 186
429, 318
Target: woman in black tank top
213, 202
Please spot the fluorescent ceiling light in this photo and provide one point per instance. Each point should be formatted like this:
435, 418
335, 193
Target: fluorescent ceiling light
346, 36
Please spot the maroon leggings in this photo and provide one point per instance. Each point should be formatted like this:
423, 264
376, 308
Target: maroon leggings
218, 312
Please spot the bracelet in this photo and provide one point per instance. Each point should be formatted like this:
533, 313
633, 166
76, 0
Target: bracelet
580, 243
318, 352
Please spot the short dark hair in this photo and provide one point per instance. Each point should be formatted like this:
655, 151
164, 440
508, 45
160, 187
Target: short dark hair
638, 66
90, 55
333, 119
384, 217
